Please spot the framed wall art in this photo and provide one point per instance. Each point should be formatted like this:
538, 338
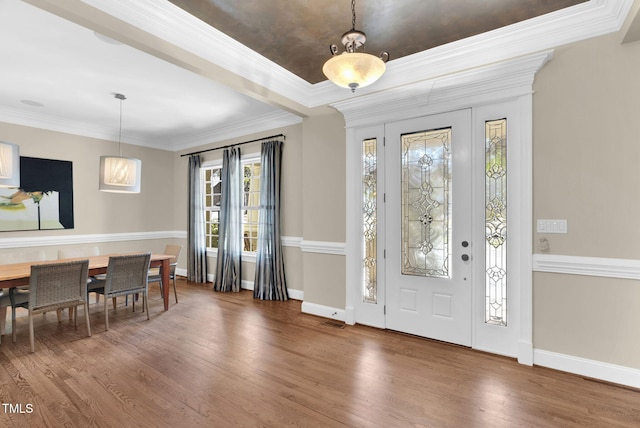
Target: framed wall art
44, 200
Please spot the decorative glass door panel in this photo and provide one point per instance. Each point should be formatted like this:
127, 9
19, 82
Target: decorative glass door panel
426, 207
496, 222
369, 219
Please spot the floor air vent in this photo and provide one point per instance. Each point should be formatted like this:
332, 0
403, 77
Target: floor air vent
333, 323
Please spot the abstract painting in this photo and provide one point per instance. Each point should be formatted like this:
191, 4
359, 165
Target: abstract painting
44, 200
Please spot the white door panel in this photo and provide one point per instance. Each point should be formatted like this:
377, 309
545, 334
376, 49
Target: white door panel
428, 226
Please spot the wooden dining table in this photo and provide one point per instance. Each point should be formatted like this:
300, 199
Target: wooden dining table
18, 274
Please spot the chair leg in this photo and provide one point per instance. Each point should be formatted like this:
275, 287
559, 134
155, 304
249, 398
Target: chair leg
70, 313
145, 301
106, 315
59, 314
13, 324
114, 302
175, 291
31, 339
74, 312
133, 303
3, 320
86, 317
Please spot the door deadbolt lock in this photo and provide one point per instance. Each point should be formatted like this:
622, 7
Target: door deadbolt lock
465, 257
465, 244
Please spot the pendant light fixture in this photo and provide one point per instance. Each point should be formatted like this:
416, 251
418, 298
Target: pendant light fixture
354, 68
9, 165
117, 173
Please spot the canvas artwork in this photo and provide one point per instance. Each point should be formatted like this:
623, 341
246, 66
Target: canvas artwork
44, 199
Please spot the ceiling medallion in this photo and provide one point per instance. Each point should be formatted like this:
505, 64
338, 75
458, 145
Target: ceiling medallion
354, 68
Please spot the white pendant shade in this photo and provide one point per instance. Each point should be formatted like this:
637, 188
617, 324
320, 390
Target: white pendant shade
354, 70
9, 165
119, 174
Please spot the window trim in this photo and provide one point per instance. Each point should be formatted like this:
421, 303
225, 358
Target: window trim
247, 256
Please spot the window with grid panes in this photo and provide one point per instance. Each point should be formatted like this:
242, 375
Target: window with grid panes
250, 209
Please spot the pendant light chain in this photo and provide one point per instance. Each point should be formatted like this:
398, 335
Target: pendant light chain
353, 13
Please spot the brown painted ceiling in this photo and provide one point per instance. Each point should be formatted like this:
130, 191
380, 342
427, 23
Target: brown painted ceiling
297, 34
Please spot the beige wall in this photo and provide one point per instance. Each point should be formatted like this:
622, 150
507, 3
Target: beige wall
324, 177
95, 212
98, 212
586, 142
324, 207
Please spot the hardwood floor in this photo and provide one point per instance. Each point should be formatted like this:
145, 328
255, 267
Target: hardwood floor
227, 360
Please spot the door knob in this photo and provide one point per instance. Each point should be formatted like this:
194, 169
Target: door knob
465, 257
465, 244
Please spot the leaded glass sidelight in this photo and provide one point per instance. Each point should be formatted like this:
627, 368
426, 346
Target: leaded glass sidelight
426, 203
496, 221
369, 218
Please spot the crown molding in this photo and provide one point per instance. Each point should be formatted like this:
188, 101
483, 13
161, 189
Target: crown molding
583, 21
501, 81
416, 77
256, 124
172, 24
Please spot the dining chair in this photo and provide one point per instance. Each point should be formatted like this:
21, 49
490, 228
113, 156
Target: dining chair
53, 286
79, 252
154, 274
10, 258
125, 275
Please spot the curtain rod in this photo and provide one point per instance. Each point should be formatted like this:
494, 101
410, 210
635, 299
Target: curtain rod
237, 144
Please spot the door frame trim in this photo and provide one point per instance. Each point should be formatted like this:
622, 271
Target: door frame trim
505, 81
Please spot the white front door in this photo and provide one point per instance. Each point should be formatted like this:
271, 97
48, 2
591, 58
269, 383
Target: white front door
428, 232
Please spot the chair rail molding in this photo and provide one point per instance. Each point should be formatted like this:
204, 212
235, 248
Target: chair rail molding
45, 241
588, 266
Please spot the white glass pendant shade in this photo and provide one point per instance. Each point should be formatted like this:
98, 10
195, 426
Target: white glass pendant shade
354, 70
9, 165
119, 174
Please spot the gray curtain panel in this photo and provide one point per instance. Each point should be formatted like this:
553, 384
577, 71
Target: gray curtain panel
270, 283
196, 241
228, 264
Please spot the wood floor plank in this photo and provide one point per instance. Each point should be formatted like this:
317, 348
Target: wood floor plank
227, 360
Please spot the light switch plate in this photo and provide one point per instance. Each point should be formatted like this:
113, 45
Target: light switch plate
551, 226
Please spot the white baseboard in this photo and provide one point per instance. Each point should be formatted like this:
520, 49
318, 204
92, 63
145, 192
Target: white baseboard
594, 369
295, 294
323, 311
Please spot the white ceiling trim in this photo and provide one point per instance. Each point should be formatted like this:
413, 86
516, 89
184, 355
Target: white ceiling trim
256, 124
583, 21
58, 124
168, 22
492, 83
